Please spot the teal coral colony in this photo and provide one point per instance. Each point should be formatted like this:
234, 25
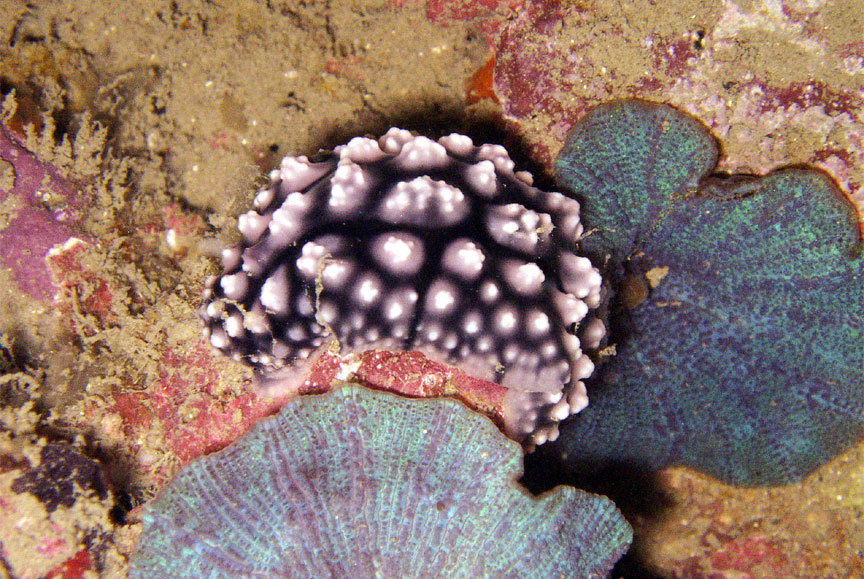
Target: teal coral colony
360, 483
739, 306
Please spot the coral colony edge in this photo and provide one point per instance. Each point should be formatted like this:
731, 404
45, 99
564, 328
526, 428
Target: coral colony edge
361, 483
738, 308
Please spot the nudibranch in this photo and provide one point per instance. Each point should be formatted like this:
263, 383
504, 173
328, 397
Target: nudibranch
407, 243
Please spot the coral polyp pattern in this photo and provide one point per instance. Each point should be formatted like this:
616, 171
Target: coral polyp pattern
405, 243
362, 483
739, 309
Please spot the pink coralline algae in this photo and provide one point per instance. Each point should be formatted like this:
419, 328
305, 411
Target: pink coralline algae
746, 556
405, 243
487, 16
186, 405
795, 98
43, 209
409, 374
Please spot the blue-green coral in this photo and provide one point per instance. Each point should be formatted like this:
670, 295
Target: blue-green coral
739, 308
360, 483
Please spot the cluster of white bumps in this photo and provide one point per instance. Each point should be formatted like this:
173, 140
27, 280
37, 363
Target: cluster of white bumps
409, 243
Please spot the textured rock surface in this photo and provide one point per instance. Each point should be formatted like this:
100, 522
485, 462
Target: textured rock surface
54, 509
740, 306
40, 209
62, 475
405, 243
780, 84
360, 483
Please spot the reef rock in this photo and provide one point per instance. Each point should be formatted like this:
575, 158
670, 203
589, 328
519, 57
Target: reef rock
362, 483
42, 208
55, 509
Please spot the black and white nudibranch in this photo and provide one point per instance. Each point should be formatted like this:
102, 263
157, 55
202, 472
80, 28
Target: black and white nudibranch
405, 243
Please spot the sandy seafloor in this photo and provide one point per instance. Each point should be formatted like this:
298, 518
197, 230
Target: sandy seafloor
195, 101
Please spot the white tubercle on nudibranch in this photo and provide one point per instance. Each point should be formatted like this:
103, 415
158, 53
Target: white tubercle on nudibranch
413, 244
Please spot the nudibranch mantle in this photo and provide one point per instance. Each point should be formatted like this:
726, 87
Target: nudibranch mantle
406, 243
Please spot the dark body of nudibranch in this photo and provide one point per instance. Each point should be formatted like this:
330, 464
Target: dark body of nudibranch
405, 243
